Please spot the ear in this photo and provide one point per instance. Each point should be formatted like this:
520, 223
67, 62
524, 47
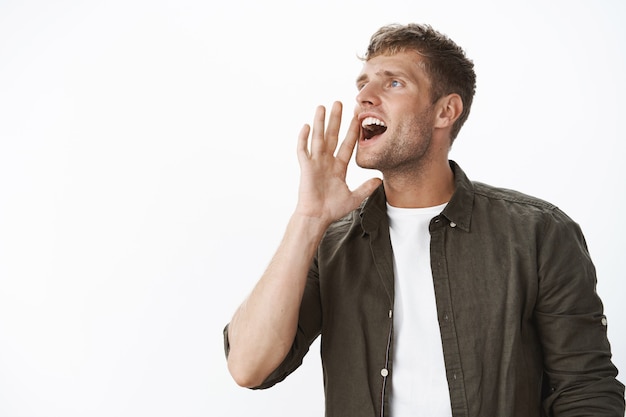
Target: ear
449, 108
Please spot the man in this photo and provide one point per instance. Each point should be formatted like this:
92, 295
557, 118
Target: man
433, 295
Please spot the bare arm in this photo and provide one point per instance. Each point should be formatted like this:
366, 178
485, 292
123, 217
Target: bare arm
263, 328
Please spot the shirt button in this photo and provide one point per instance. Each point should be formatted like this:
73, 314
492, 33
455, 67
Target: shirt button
603, 321
384, 372
452, 224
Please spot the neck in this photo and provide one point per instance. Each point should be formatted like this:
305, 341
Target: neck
426, 186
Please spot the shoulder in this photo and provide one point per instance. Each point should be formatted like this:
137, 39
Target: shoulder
501, 202
476, 202
509, 196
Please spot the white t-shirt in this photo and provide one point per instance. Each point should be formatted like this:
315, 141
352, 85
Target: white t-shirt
418, 382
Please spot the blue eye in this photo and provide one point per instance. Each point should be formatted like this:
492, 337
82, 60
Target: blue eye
396, 83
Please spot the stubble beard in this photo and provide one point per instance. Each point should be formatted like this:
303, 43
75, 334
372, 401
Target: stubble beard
405, 151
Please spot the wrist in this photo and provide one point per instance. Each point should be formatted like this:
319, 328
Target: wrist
309, 225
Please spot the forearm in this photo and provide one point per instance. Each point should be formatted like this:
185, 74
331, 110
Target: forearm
263, 328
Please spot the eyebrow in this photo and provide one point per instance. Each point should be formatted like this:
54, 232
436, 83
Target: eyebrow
386, 73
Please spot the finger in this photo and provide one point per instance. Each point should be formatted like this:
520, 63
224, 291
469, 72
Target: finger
318, 144
334, 123
347, 146
303, 143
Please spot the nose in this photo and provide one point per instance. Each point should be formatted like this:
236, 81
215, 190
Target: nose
368, 95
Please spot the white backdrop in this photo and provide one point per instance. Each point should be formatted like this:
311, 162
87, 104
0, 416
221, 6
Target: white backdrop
147, 170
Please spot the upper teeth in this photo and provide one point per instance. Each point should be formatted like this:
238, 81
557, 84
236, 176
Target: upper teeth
372, 121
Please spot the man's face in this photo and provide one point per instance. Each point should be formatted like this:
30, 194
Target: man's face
395, 111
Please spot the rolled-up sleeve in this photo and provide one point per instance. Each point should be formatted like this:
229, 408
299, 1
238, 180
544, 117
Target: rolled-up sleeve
581, 379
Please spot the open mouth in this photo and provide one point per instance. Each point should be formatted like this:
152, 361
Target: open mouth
372, 127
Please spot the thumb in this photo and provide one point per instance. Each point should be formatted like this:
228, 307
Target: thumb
366, 189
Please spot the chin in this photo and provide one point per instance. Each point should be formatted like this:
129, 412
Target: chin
365, 164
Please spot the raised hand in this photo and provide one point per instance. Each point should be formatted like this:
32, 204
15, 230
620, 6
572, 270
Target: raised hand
324, 193
263, 328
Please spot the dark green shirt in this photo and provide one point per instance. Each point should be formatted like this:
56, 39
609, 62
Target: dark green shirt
522, 328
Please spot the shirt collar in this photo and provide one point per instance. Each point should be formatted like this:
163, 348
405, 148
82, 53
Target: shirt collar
459, 209
373, 211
